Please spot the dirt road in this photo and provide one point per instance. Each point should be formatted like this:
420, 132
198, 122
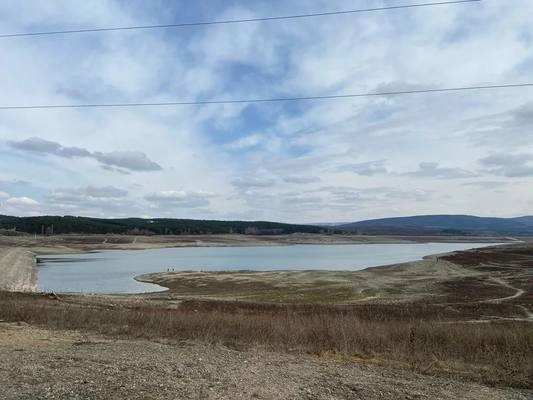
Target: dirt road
42, 364
518, 292
17, 269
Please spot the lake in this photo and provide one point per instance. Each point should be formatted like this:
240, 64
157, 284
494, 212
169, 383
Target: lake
112, 271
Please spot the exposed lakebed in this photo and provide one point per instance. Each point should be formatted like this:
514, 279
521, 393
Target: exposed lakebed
112, 271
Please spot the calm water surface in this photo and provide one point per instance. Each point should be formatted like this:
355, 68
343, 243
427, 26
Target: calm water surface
112, 271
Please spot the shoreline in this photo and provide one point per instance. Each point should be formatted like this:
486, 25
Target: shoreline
153, 278
369, 282
77, 248
18, 255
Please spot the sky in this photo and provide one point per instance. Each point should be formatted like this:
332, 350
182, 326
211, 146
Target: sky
305, 161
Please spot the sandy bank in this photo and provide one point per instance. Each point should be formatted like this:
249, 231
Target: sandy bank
17, 270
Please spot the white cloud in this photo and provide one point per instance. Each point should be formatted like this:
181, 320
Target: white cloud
87, 194
252, 183
369, 168
181, 198
129, 160
433, 170
509, 165
301, 179
246, 142
22, 202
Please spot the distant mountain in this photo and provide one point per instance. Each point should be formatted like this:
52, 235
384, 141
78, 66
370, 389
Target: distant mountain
139, 226
526, 220
442, 225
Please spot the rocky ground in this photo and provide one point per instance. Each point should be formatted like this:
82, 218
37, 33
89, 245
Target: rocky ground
42, 364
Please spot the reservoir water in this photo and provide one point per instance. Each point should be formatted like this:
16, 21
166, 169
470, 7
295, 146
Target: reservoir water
112, 271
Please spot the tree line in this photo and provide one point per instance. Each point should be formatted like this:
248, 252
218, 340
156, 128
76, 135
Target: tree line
49, 225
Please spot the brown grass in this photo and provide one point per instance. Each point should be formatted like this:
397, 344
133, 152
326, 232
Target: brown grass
407, 336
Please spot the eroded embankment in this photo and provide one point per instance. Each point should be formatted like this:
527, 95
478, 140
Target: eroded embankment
18, 271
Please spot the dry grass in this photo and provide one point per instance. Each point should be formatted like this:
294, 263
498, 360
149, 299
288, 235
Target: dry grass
410, 336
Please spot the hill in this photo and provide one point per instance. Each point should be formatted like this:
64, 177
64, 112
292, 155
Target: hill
442, 225
157, 226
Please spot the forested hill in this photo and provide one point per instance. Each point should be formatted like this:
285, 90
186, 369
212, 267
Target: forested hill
69, 224
417, 225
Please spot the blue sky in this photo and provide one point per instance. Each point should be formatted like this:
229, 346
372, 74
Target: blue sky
309, 161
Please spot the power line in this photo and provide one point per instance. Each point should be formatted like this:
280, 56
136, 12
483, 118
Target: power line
237, 21
270, 100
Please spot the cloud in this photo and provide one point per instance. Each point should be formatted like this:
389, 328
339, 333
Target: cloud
246, 142
373, 195
251, 183
504, 159
4, 195
486, 184
36, 145
509, 165
369, 168
90, 201
22, 202
114, 169
397, 86
86, 195
512, 128
432, 170
181, 198
22, 205
298, 201
105, 191
301, 179
128, 160
131, 160
9, 185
